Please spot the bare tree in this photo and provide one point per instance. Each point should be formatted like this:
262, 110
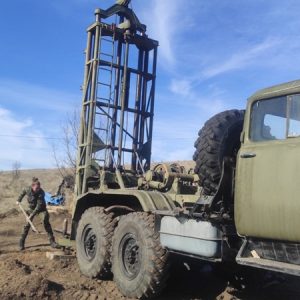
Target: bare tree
16, 170
64, 153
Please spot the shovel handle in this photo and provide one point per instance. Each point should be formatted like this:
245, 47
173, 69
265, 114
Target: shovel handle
27, 218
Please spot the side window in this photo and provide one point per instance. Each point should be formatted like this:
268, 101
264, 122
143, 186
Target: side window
269, 119
294, 116
274, 128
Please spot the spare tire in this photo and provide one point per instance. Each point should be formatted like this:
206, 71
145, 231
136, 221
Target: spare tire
219, 138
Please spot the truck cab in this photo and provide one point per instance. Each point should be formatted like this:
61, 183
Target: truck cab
268, 165
250, 189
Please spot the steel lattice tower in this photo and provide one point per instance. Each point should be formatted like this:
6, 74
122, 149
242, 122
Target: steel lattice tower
118, 96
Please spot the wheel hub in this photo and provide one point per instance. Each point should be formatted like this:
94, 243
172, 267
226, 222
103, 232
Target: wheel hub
89, 242
131, 256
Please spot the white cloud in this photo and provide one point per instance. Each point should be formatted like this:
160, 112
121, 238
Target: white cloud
206, 102
172, 150
30, 120
174, 138
31, 152
36, 96
162, 18
182, 87
241, 59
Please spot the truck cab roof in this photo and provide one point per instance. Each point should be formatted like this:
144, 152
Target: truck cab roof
292, 87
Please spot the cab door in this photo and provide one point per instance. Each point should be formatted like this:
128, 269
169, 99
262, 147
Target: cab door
267, 189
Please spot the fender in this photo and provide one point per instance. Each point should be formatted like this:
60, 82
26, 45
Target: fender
138, 200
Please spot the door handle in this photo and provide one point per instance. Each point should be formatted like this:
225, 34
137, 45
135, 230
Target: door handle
247, 155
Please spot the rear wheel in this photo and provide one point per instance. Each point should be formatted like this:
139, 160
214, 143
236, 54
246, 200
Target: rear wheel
219, 138
139, 263
93, 242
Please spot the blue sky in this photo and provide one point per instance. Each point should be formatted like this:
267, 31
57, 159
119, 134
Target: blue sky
213, 55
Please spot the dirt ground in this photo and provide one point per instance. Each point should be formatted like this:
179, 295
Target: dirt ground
31, 275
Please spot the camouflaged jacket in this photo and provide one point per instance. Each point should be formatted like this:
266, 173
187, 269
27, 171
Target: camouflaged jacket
36, 200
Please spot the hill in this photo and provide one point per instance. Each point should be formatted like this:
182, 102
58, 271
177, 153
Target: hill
11, 185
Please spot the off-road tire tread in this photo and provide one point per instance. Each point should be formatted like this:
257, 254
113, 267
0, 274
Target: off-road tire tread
156, 275
106, 226
219, 137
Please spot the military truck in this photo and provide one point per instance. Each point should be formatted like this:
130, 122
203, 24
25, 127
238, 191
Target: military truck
239, 206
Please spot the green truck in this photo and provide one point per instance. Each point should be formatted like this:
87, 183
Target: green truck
238, 207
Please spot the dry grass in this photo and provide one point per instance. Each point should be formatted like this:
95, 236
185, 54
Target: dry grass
50, 179
11, 187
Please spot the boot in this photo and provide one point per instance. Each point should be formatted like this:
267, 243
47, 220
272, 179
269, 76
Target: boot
22, 243
23, 238
53, 244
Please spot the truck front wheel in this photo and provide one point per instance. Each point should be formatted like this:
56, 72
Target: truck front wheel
139, 263
93, 242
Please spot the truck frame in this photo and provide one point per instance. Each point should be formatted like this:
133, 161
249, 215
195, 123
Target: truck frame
128, 217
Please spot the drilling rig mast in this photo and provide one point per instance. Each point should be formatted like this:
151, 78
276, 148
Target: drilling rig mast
118, 96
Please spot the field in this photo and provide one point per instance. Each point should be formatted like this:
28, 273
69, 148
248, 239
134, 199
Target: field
11, 185
31, 275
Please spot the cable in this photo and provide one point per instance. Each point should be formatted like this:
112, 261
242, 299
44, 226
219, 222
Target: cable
161, 138
31, 137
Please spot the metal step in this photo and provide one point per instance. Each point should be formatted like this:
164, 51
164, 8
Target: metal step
100, 160
267, 264
271, 265
105, 69
100, 113
104, 99
105, 84
101, 129
107, 40
106, 54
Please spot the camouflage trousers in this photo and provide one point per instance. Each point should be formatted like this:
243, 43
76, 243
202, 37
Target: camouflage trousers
44, 216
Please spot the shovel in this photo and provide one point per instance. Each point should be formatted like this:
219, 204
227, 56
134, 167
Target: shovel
28, 220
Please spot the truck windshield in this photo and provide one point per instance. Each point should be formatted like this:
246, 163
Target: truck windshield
275, 119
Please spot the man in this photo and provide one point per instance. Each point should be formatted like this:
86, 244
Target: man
37, 206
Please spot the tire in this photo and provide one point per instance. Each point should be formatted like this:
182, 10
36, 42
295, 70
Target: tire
93, 242
139, 263
219, 137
